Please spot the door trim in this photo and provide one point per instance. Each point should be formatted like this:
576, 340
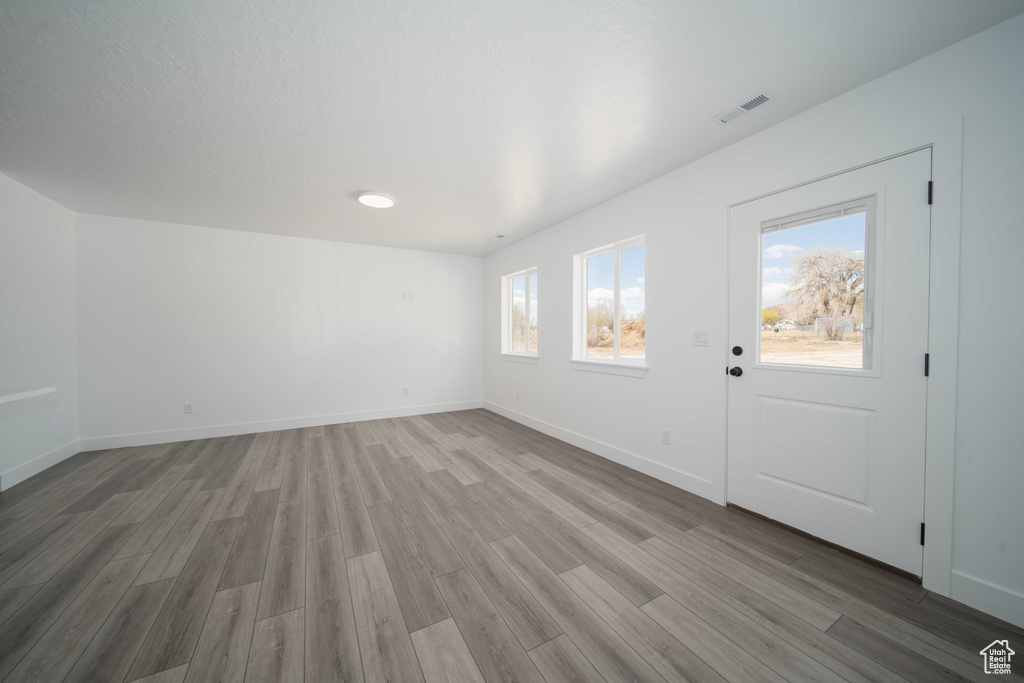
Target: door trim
946, 142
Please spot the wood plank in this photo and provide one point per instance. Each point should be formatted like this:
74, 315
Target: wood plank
444, 656
248, 557
721, 653
795, 602
958, 610
366, 434
521, 611
902, 660
173, 636
151, 533
413, 429
554, 554
439, 555
276, 652
175, 675
210, 458
357, 533
668, 656
563, 508
385, 647
60, 647
321, 508
413, 584
293, 478
434, 434
19, 633
387, 467
413, 446
339, 450
239, 490
495, 649
150, 500
272, 473
169, 558
742, 616
599, 493
46, 565
559, 661
955, 658
27, 525
111, 653
454, 465
20, 554
223, 649
12, 600
483, 519
625, 527
370, 482
602, 646
331, 643
431, 495
228, 462
625, 580
285, 575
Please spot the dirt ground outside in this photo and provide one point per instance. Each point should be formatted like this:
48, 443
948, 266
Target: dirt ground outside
631, 342
806, 347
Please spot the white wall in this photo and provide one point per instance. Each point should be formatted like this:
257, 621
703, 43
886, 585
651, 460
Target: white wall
37, 332
264, 332
684, 217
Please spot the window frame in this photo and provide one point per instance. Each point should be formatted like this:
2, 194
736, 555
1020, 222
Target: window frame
506, 314
580, 308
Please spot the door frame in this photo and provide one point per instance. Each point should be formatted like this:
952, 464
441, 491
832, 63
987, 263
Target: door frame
945, 139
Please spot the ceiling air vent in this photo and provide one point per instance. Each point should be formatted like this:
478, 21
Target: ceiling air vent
732, 114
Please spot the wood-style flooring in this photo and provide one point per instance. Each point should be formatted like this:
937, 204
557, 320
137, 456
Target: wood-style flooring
448, 547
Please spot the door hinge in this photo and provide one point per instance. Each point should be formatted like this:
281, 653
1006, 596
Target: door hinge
930, 189
927, 363
922, 533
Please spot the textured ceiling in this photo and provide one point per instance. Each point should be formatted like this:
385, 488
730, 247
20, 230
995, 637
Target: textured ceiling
483, 117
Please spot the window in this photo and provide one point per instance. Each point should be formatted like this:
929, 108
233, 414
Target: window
816, 290
519, 313
609, 311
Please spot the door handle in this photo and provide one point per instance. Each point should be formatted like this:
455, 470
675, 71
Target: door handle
736, 372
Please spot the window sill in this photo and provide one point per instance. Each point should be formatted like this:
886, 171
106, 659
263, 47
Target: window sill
519, 358
610, 368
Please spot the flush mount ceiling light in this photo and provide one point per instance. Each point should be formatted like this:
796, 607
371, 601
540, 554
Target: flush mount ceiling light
375, 200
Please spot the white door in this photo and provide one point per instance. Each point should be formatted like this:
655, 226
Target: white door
828, 310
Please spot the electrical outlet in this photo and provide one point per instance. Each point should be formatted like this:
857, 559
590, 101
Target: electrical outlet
700, 338
188, 408
517, 395
666, 437
405, 391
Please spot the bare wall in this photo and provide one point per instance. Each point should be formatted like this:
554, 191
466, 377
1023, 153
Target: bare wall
264, 332
37, 332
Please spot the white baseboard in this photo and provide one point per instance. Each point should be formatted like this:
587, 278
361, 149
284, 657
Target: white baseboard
998, 601
21, 472
688, 482
149, 438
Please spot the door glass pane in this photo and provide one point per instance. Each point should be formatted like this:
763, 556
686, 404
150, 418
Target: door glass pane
600, 306
812, 293
533, 312
519, 315
632, 323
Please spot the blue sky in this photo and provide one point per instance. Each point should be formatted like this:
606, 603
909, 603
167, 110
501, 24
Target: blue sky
601, 280
781, 247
